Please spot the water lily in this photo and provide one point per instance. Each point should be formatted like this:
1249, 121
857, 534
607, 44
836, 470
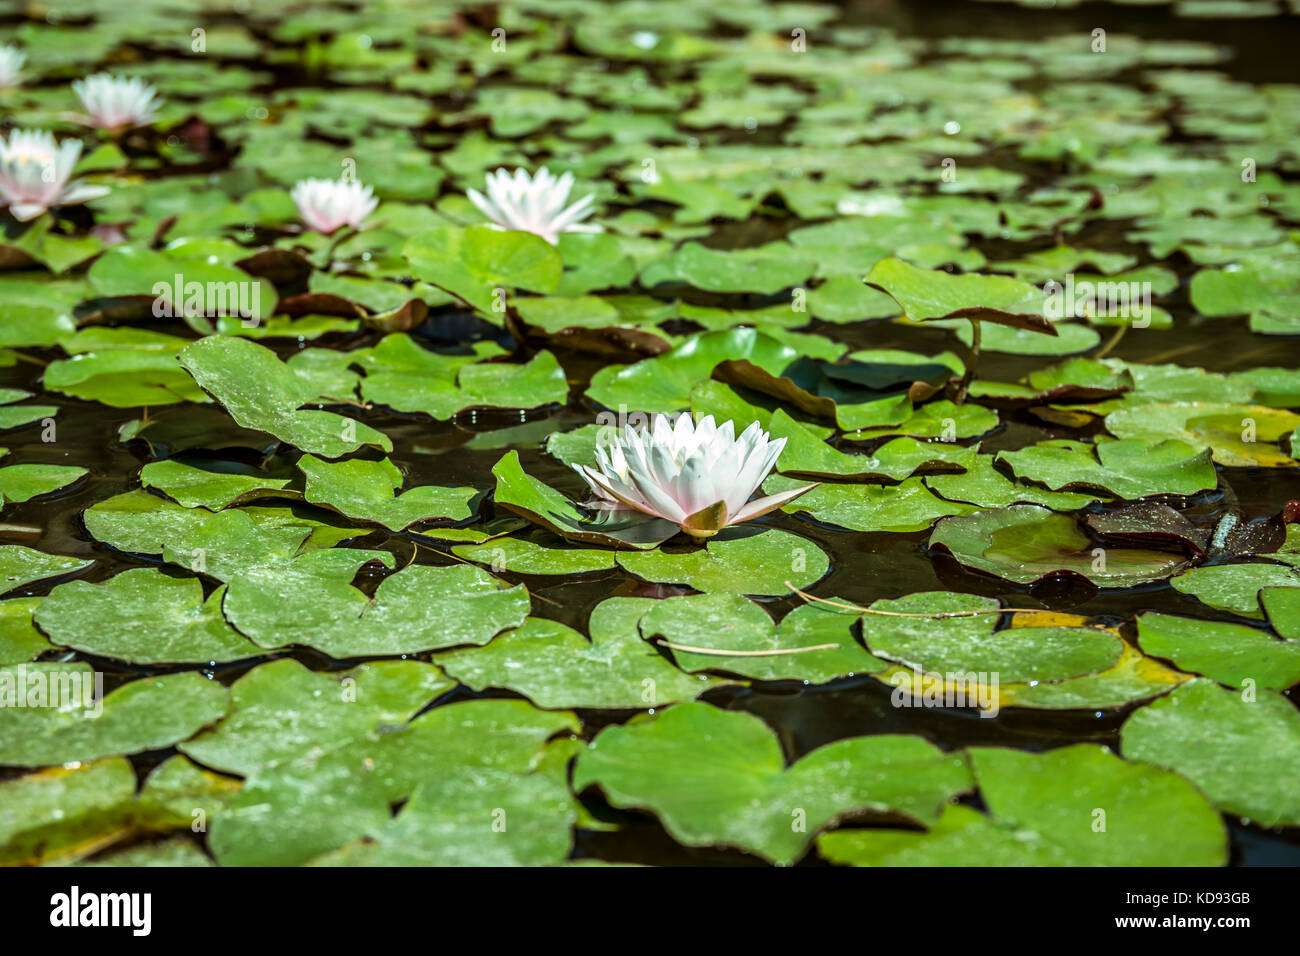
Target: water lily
34, 173
116, 102
534, 204
698, 476
11, 65
326, 205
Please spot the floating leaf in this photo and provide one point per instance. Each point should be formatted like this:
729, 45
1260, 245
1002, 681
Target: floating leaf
740, 562
538, 502
1026, 543
1240, 436
262, 393
671, 764
281, 710
1244, 754
146, 714
729, 622
907, 506
367, 491
193, 487
20, 566
556, 667
1229, 653
1042, 809
311, 601
145, 617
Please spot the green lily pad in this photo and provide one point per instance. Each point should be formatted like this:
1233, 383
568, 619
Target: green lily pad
20, 566
907, 506
193, 487
671, 765
985, 486
942, 420
738, 562
1026, 543
1127, 468
471, 817
1229, 653
145, 617
525, 495
927, 294
281, 710
972, 644
146, 714
311, 601
729, 622
1243, 753
523, 556
556, 667
24, 482
19, 639
220, 544
1235, 587
367, 491
1240, 436
297, 810
472, 263
264, 394
124, 378
1074, 806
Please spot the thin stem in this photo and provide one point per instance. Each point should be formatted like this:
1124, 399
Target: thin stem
722, 653
937, 616
1113, 341
964, 386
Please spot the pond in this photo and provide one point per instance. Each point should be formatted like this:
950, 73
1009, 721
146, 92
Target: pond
299, 564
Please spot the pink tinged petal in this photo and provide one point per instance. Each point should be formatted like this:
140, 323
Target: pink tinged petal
664, 505
761, 506
694, 487
617, 493
25, 211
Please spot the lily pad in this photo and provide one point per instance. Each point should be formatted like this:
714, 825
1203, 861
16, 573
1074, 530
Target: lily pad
367, 491
693, 625
739, 562
556, 667
264, 394
1244, 754
1228, 653
193, 487
146, 714
143, 616
542, 504
20, 566
1239, 436
1074, 806
971, 644
281, 710
1026, 543
907, 506
1127, 468
311, 601
671, 765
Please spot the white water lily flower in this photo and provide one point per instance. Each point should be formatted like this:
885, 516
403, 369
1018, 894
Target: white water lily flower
116, 102
534, 204
34, 172
699, 477
11, 65
326, 204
